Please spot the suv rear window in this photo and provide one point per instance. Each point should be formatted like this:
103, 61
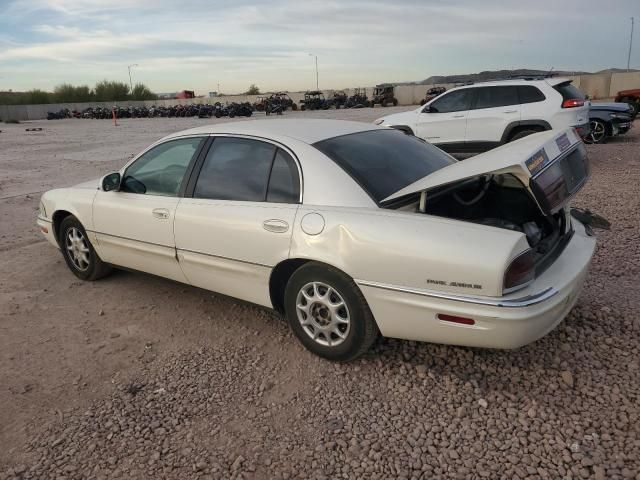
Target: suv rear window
384, 161
569, 92
530, 94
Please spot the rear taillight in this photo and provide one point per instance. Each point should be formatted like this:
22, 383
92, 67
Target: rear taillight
573, 102
520, 272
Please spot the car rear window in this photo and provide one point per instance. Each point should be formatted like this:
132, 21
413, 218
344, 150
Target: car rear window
569, 91
384, 161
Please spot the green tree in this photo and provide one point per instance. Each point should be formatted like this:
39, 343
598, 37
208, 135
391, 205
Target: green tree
108, 91
253, 90
142, 92
67, 93
35, 97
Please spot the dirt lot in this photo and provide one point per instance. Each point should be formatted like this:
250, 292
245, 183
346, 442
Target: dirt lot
138, 377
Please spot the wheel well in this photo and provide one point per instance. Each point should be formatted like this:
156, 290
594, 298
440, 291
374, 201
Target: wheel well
58, 217
520, 128
280, 275
403, 128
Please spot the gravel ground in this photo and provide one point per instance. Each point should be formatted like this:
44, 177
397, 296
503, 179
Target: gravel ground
139, 377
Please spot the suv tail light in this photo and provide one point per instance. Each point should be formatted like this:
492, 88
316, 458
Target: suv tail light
520, 272
573, 102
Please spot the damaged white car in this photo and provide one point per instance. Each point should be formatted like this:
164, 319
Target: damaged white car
349, 229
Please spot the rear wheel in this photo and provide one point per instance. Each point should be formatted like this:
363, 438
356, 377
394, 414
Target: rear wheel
598, 133
328, 313
78, 253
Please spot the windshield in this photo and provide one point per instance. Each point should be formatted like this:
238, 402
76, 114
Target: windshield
384, 161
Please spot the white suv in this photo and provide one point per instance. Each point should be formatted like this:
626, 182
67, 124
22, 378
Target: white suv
481, 116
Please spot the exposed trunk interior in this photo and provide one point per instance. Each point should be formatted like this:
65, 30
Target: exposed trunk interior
500, 201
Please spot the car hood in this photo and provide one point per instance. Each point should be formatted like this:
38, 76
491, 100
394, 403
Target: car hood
90, 184
519, 158
613, 106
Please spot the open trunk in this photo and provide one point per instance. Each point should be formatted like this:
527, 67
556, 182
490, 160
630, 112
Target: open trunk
524, 187
502, 201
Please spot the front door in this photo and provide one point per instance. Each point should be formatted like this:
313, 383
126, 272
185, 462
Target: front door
134, 225
443, 121
237, 225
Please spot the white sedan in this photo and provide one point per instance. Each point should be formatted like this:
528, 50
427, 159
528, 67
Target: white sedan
351, 230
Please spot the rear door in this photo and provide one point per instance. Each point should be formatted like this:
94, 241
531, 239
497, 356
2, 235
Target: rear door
443, 121
494, 109
236, 221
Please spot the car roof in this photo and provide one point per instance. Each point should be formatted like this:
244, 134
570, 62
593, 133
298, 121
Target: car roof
305, 130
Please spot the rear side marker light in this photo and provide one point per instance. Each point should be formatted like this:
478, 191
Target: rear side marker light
573, 102
44, 229
455, 319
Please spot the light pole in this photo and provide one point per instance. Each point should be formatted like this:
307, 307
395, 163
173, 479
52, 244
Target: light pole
630, 43
312, 55
130, 82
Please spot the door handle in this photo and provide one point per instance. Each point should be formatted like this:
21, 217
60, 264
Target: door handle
275, 225
161, 213
458, 116
509, 111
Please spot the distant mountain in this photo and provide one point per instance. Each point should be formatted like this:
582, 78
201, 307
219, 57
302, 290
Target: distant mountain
491, 75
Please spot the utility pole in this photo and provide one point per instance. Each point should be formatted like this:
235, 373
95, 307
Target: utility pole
130, 82
630, 43
312, 55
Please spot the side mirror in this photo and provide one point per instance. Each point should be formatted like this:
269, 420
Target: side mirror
110, 182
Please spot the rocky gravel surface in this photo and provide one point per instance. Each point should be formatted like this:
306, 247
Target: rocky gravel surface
223, 390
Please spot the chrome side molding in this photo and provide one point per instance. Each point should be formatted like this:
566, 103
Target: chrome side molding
494, 302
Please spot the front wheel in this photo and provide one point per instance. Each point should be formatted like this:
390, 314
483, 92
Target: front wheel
328, 313
78, 253
598, 133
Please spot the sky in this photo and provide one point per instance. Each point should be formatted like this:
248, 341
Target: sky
200, 44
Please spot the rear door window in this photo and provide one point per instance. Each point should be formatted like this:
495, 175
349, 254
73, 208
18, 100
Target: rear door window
236, 169
491, 97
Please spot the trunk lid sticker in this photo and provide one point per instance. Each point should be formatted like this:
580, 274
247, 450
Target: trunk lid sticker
538, 161
563, 142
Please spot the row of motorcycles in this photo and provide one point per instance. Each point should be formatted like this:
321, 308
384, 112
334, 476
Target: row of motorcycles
217, 110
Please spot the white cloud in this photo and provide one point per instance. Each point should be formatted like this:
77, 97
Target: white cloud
240, 42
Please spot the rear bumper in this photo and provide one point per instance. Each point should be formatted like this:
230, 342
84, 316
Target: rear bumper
507, 322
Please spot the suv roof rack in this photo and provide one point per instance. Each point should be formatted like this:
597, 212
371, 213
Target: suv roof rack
533, 76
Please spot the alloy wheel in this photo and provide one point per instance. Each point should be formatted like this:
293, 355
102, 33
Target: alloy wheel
598, 132
323, 314
77, 249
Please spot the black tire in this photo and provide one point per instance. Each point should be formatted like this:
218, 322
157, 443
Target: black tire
362, 329
599, 132
522, 134
395, 102
95, 267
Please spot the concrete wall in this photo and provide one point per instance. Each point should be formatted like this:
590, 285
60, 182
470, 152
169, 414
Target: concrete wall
597, 86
